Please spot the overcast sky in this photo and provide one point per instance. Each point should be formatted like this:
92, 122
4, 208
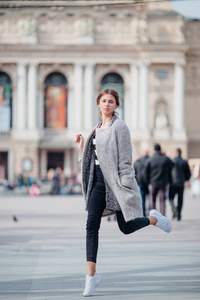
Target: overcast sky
188, 8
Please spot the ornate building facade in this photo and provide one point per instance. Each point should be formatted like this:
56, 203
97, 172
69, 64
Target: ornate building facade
55, 57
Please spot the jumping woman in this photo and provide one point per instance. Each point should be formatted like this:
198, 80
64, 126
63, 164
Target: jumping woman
108, 182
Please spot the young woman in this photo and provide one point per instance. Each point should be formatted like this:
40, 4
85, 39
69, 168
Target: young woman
109, 184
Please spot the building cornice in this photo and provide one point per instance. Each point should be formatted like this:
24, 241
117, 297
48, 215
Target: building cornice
97, 54
93, 48
71, 3
68, 48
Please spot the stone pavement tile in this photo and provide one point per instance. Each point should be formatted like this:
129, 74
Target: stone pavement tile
24, 261
57, 295
21, 269
3, 269
146, 289
39, 286
4, 258
14, 286
41, 277
22, 278
148, 265
14, 296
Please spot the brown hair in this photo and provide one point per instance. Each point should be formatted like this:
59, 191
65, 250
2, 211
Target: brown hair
112, 92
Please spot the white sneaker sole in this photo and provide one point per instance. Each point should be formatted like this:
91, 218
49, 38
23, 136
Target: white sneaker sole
89, 294
163, 223
93, 290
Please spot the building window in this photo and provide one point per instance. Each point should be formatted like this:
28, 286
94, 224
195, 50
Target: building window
161, 74
5, 102
114, 80
55, 101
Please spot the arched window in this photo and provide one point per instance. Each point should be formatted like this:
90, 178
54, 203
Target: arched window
114, 80
5, 102
55, 101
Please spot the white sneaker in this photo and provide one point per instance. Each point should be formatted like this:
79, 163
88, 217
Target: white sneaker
91, 283
162, 223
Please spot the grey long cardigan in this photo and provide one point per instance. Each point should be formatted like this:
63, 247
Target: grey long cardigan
114, 152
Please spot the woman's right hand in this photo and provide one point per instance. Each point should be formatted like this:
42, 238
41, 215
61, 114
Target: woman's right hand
80, 141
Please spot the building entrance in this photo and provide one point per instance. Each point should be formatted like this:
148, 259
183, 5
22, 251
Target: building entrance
3, 165
55, 160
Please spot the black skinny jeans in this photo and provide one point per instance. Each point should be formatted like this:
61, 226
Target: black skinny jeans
96, 206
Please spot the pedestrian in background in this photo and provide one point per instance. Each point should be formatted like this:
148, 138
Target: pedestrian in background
140, 167
56, 181
34, 190
158, 175
180, 174
109, 184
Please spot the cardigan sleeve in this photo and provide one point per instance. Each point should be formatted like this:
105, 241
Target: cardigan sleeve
125, 169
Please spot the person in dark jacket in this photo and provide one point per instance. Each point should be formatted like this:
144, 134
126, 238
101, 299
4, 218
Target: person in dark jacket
140, 166
158, 176
180, 174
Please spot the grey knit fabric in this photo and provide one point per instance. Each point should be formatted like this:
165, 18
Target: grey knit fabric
114, 151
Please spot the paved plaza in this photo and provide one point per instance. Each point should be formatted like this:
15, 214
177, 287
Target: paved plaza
42, 254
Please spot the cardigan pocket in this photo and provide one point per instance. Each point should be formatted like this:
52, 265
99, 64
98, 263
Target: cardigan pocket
127, 183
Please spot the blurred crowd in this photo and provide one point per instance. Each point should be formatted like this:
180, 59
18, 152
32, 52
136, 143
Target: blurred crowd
161, 178
53, 182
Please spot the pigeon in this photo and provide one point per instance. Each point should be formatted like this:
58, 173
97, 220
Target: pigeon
15, 219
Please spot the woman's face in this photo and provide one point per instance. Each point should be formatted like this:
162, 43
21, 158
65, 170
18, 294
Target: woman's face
107, 104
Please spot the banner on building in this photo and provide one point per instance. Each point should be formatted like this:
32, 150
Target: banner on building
5, 110
55, 107
4, 118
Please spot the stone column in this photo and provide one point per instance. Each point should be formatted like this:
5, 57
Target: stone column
78, 95
70, 108
67, 162
43, 160
127, 107
32, 96
179, 105
14, 108
21, 96
143, 99
134, 72
11, 164
41, 104
88, 103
